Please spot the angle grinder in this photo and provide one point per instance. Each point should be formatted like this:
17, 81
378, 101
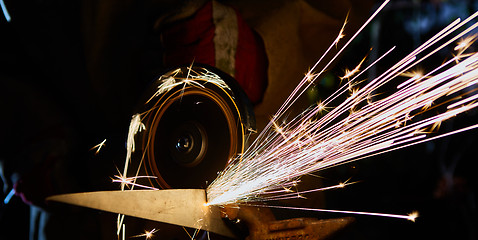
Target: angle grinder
196, 119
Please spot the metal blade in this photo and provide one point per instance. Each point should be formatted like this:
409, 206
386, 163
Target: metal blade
184, 207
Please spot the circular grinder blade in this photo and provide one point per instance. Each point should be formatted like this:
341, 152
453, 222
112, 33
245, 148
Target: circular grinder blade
196, 120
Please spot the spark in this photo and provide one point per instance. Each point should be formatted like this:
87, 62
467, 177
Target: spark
435, 126
190, 237
465, 43
147, 234
130, 181
342, 30
287, 193
411, 217
119, 223
135, 126
196, 231
310, 77
166, 85
414, 76
321, 107
279, 130
98, 146
350, 73
357, 127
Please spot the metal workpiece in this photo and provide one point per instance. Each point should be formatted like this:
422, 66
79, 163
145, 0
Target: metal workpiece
183, 207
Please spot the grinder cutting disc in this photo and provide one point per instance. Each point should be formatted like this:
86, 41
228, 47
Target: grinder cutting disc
196, 121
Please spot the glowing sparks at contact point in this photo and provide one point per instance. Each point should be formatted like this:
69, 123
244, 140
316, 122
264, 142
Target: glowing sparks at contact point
355, 129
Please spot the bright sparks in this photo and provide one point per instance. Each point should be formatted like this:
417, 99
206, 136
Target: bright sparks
131, 181
147, 234
342, 30
358, 127
465, 43
98, 146
413, 216
135, 127
350, 73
